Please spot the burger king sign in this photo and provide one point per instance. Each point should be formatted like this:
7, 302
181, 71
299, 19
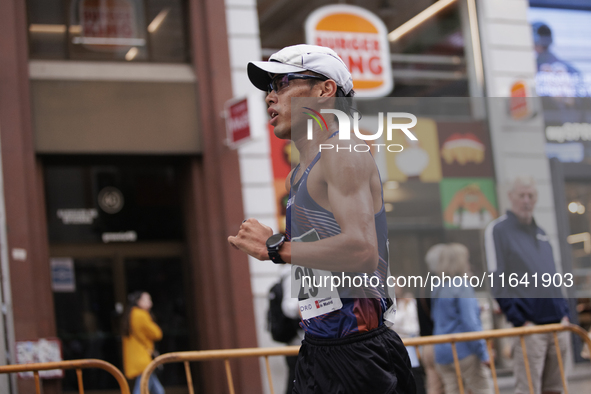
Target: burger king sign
360, 39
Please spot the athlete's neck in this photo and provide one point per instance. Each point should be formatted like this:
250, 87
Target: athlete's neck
308, 149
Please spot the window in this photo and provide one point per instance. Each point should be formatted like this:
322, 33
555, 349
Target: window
108, 30
427, 61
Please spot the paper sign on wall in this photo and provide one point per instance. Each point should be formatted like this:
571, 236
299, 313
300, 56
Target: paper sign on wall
44, 350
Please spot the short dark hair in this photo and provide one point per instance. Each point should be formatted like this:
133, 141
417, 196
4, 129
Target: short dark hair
345, 102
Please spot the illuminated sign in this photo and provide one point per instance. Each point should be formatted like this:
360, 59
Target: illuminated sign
360, 39
563, 78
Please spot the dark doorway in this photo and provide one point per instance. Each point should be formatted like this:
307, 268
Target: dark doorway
115, 226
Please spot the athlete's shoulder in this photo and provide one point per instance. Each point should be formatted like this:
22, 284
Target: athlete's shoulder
347, 159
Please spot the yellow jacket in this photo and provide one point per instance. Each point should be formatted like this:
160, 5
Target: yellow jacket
138, 346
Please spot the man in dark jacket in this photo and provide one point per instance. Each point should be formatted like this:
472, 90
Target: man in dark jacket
516, 246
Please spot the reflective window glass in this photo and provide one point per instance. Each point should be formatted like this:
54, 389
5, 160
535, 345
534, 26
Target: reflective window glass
428, 55
47, 29
112, 30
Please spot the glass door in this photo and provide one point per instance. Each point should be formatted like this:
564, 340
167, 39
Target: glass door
90, 304
87, 321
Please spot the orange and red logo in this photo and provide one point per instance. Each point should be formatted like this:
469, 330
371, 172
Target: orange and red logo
360, 39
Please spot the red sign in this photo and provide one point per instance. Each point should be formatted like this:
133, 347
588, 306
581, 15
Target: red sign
237, 121
109, 24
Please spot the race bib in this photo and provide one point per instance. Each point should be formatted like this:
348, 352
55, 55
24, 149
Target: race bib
314, 300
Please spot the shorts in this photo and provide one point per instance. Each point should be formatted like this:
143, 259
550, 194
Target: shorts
371, 362
543, 362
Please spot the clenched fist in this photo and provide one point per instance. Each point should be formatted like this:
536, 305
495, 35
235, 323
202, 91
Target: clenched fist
252, 238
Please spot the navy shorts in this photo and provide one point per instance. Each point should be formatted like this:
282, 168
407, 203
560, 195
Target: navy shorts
373, 362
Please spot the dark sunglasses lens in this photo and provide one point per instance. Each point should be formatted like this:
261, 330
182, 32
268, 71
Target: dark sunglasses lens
280, 83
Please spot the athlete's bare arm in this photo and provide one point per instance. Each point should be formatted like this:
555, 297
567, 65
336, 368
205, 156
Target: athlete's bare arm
352, 193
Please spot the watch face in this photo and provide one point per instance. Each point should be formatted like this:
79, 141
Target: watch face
275, 240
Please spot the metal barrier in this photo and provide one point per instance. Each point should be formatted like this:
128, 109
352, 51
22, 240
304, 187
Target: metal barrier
78, 365
489, 335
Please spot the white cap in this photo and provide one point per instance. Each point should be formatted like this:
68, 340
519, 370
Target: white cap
298, 58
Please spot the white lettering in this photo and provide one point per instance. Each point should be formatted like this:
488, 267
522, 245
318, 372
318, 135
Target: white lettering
373, 137
401, 126
355, 281
127, 236
395, 151
569, 132
344, 123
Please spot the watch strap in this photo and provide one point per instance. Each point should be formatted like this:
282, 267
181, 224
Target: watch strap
273, 250
275, 257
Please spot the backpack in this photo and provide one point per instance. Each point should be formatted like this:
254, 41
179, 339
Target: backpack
282, 328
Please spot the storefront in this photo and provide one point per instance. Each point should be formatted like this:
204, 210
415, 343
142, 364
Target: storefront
430, 56
433, 62
461, 51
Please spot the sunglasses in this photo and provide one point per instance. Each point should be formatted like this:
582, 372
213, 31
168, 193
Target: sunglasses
280, 82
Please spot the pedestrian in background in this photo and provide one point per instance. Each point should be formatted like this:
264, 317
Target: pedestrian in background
139, 333
434, 384
455, 310
516, 245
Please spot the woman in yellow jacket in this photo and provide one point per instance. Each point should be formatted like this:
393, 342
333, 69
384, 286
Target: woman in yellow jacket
139, 333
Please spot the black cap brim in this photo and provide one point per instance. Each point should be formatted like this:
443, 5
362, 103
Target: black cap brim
260, 73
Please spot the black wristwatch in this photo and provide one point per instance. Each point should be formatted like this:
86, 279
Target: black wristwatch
273, 245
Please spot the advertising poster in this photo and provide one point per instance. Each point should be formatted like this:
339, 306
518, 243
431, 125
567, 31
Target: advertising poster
468, 203
563, 79
420, 159
107, 25
465, 149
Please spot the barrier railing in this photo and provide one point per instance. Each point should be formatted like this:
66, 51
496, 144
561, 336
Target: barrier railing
489, 336
78, 365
